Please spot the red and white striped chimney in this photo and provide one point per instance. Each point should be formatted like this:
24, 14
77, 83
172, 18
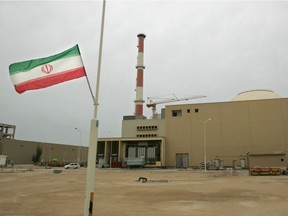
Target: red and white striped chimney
139, 81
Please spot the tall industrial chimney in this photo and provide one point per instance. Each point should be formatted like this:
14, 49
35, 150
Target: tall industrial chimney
139, 80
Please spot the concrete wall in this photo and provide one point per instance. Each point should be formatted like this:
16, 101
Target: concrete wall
259, 126
22, 151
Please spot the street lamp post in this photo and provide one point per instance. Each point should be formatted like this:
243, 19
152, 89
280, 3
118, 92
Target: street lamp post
80, 144
205, 122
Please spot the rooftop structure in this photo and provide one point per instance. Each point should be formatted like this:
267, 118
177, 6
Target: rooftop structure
7, 131
258, 94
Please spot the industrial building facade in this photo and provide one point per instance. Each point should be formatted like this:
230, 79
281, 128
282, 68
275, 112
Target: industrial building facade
234, 130
183, 136
117, 150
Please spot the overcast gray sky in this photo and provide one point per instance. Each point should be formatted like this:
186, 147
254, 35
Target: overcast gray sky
212, 48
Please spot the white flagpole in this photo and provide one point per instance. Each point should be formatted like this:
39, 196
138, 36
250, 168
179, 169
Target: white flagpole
88, 205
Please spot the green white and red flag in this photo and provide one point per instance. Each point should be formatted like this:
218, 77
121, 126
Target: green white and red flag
44, 72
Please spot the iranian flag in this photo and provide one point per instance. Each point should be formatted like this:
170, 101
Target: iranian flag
44, 72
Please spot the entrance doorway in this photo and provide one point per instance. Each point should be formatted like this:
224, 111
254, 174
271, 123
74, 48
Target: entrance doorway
182, 160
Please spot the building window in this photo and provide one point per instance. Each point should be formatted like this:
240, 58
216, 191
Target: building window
147, 128
176, 113
146, 135
196, 110
188, 110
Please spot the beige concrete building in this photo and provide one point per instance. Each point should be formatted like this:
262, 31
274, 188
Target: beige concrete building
235, 129
222, 134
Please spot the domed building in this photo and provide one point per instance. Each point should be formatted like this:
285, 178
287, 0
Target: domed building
259, 94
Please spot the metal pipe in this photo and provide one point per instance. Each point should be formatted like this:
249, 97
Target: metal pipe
205, 122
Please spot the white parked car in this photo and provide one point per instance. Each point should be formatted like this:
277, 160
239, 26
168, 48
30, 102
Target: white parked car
72, 166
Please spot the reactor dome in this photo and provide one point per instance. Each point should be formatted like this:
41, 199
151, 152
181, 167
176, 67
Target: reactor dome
259, 94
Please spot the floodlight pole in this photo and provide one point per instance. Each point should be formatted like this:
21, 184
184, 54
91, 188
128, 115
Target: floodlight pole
92, 151
205, 122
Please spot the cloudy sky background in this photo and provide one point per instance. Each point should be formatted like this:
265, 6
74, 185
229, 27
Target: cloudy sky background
212, 48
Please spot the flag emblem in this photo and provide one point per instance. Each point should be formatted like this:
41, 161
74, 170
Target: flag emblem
47, 68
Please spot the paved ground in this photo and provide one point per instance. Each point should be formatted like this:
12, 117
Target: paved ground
38, 191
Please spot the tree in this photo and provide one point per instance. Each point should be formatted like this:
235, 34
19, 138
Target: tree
36, 157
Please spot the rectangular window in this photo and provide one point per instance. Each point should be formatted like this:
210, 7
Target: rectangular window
176, 113
147, 128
